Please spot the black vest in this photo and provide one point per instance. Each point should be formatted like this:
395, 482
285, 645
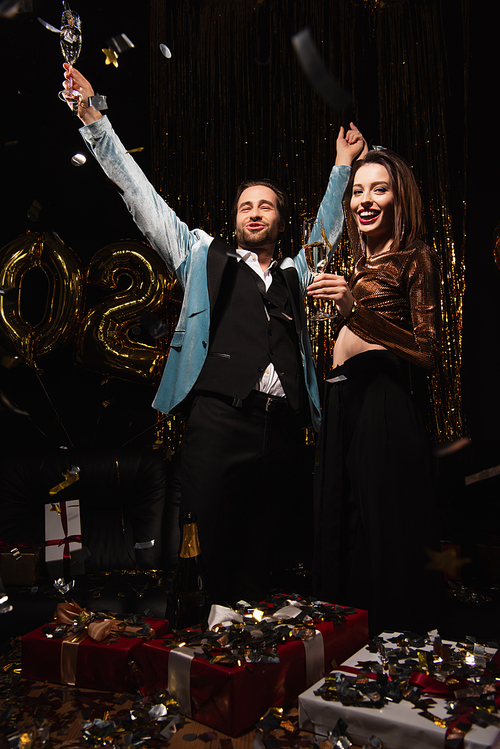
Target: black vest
243, 341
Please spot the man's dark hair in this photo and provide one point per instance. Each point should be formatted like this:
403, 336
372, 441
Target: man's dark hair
283, 203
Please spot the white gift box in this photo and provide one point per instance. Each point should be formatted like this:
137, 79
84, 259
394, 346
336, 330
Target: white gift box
62, 535
398, 726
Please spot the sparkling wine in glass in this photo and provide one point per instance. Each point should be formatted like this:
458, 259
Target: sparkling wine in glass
317, 258
71, 44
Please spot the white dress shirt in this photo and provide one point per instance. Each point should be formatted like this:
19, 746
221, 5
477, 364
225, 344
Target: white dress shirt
269, 383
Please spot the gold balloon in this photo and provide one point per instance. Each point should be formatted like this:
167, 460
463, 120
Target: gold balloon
64, 275
103, 341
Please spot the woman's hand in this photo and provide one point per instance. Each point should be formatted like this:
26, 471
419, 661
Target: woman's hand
74, 80
350, 146
335, 288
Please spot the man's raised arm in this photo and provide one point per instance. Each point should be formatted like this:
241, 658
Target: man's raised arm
155, 219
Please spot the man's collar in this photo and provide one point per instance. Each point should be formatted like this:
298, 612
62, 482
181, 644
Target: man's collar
246, 254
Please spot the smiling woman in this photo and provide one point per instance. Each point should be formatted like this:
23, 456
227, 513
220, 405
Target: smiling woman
375, 513
372, 205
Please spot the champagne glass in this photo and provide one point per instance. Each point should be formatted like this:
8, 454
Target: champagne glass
317, 258
71, 44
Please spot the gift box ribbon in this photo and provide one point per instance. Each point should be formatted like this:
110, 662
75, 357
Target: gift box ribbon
66, 613
430, 685
67, 540
315, 658
179, 677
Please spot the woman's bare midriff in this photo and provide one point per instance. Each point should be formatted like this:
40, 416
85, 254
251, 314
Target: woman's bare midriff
349, 344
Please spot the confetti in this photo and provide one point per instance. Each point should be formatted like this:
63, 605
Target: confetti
448, 448
236, 643
120, 43
316, 71
111, 57
49, 26
165, 51
78, 159
34, 211
445, 561
9, 9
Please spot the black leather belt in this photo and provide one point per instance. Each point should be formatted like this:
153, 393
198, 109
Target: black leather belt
265, 402
258, 400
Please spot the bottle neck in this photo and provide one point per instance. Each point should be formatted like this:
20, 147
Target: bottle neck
190, 541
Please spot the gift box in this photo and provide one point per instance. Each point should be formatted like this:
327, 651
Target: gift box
435, 708
63, 539
106, 665
233, 698
19, 565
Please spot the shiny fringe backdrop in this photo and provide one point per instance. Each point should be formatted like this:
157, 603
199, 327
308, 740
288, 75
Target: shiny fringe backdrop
233, 103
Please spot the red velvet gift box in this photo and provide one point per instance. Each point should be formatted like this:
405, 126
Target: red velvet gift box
232, 699
108, 665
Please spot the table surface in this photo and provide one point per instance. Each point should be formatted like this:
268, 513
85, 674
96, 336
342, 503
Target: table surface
63, 707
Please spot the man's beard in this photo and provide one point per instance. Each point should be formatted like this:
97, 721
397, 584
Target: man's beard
247, 240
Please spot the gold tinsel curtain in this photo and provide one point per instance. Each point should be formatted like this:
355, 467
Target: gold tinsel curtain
233, 103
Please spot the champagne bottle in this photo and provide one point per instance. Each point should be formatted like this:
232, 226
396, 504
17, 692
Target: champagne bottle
190, 585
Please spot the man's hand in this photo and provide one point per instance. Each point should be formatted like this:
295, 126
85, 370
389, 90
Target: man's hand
335, 288
74, 80
350, 146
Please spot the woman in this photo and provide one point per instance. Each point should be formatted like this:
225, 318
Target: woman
375, 513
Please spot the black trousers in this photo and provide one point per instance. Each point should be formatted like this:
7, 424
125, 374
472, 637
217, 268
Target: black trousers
374, 497
241, 474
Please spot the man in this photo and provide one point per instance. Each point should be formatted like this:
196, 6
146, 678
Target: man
240, 361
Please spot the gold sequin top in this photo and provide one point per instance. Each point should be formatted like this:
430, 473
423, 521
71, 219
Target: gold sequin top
398, 302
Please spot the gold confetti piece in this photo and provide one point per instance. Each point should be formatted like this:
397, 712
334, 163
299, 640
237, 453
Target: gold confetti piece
69, 478
445, 561
438, 721
34, 210
136, 150
422, 659
276, 711
111, 57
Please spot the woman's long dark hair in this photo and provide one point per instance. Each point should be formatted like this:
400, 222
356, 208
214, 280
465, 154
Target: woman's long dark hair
407, 200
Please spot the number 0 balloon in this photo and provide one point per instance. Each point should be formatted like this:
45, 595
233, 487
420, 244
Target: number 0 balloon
64, 274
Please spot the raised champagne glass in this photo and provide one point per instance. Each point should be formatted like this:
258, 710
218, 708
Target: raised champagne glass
317, 258
71, 44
